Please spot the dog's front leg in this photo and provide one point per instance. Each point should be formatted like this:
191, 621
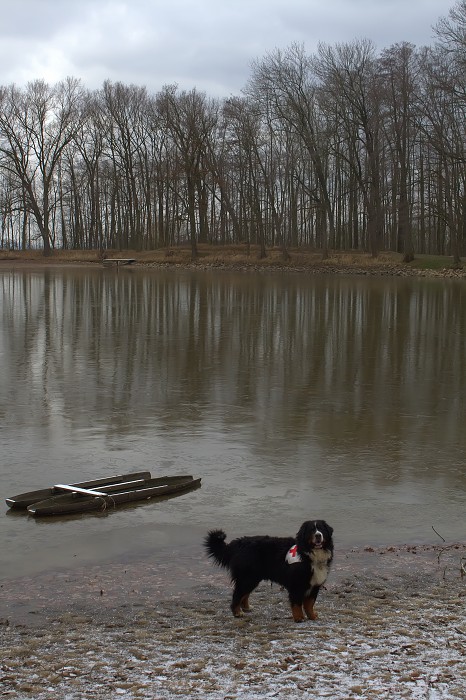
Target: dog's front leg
308, 603
308, 606
297, 612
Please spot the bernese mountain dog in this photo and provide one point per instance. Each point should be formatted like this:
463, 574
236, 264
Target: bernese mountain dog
300, 565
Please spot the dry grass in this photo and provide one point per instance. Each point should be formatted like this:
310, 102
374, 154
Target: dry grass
213, 254
239, 256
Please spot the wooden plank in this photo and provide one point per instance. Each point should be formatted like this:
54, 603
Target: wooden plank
123, 484
107, 481
76, 489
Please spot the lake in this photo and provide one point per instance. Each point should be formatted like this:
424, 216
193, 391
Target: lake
292, 396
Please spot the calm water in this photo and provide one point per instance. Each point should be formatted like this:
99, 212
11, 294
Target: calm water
292, 397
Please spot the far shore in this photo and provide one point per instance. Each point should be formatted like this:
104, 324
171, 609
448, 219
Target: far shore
242, 258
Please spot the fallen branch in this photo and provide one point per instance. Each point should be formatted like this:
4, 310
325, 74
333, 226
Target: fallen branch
433, 528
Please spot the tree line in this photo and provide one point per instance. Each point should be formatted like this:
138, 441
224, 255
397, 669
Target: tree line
345, 148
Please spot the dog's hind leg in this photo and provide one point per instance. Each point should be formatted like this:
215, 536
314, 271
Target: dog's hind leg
241, 593
245, 607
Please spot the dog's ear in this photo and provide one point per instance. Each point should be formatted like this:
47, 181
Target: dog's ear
329, 528
304, 533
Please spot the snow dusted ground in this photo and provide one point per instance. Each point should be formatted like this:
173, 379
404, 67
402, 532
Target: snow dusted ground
391, 625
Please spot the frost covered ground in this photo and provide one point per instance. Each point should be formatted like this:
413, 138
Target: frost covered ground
391, 625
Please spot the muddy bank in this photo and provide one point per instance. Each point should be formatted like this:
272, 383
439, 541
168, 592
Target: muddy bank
234, 259
179, 573
391, 625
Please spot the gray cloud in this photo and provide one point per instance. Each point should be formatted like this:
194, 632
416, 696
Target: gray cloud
208, 44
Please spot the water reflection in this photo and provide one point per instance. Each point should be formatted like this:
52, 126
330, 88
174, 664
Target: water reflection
343, 392
351, 360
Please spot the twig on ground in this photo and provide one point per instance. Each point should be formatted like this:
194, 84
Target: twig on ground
437, 533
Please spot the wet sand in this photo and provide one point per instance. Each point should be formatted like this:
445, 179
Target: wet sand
391, 625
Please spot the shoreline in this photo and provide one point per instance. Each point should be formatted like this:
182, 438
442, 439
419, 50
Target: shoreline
391, 625
29, 599
234, 259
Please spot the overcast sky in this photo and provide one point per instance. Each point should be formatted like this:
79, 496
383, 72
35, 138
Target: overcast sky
207, 44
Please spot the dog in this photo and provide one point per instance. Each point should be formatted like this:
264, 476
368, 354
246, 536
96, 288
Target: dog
300, 565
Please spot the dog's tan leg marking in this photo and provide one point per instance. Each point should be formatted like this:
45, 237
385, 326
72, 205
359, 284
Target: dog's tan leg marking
245, 607
308, 606
237, 612
297, 612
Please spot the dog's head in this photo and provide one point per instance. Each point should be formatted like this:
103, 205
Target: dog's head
314, 534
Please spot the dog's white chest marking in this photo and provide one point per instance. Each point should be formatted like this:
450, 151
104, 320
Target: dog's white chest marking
319, 559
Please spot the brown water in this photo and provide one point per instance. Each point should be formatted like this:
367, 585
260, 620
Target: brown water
292, 396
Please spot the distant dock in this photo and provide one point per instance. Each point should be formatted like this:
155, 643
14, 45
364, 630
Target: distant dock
117, 262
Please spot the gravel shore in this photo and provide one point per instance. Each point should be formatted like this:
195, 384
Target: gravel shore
391, 625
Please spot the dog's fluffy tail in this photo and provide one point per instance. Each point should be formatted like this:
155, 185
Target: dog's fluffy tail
216, 547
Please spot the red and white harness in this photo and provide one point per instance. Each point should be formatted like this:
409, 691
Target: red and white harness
292, 556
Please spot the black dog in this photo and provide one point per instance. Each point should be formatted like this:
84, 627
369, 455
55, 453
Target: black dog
300, 565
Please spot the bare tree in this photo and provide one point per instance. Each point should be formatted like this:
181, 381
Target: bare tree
451, 33
350, 80
191, 119
89, 142
285, 83
246, 124
124, 114
444, 119
400, 72
36, 126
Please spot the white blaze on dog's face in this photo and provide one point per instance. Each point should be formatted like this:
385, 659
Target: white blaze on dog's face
317, 539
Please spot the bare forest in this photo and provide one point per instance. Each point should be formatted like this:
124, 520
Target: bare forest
345, 149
